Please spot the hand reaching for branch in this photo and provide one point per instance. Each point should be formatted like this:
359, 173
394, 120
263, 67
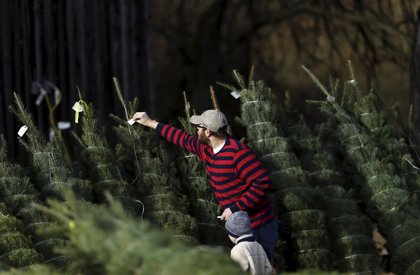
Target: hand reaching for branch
144, 119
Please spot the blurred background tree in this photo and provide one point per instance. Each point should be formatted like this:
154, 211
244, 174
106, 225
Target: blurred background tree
157, 49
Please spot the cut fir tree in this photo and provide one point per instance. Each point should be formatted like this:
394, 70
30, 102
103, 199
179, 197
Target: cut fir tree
155, 176
203, 203
16, 194
295, 200
385, 194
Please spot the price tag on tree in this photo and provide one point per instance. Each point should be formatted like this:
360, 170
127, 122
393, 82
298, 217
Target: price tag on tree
63, 125
22, 130
235, 94
78, 108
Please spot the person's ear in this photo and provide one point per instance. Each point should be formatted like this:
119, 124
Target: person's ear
207, 132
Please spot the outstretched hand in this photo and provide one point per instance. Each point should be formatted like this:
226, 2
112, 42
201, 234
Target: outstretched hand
144, 119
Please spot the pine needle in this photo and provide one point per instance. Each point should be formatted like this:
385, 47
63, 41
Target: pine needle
21, 112
120, 97
239, 79
251, 76
227, 86
350, 68
315, 80
214, 99
186, 104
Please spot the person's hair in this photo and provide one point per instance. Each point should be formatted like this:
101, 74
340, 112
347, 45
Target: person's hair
219, 134
222, 133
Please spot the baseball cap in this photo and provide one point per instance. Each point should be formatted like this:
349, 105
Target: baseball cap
238, 224
213, 120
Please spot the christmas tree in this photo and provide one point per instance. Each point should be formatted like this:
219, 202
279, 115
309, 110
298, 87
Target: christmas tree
104, 172
203, 203
295, 200
17, 194
105, 240
52, 176
350, 230
384, 193
52, 172
368, 111
155, 176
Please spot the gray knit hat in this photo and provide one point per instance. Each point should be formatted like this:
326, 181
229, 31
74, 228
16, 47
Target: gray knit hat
238, 224
213, 120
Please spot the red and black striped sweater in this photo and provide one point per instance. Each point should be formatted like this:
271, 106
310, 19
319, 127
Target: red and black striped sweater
236, 175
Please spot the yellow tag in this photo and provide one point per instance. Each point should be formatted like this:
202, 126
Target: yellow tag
72, 225
76, 117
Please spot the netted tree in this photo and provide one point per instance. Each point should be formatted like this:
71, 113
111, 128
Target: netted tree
104, 171
16, 248
203, 203
52, 175
52, 169
154, 175
16, 194
350, 230
385, 193
369, 111
105, 240
296, 202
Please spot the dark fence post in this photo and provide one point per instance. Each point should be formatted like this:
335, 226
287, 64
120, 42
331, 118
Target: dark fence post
415, 76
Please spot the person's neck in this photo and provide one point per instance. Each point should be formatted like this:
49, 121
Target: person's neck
216, 142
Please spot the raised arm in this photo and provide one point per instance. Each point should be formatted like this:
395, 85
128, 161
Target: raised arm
172, 134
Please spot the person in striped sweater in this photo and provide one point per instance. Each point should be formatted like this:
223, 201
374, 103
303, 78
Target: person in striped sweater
239, 181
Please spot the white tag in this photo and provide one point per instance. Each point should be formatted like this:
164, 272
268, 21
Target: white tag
77, 107
51, 134
353, 82
235, 94
22, 130
63, 125
131, 121
40, 97
219, 217
330, 98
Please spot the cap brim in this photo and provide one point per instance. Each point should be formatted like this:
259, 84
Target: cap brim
197, 120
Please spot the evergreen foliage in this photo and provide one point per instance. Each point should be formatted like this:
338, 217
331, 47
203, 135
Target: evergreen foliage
16, 194
350, 230
296, 202
52, 176
314, 197
16, 248
105, 240
203, 203
368, 110
385, 194
52, 172
98, 157
155, 176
